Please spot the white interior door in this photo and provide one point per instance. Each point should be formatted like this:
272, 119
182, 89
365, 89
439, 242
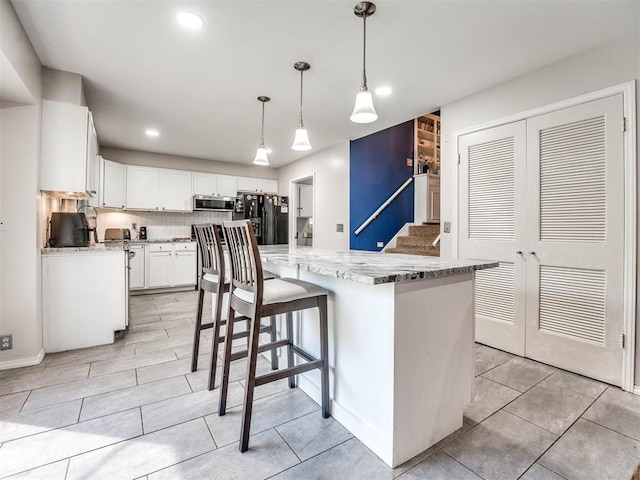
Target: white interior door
492, 226
575, 226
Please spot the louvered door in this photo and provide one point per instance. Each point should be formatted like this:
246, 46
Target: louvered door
492, 204
575, 230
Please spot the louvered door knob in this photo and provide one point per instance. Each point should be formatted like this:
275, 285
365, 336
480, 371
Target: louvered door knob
532, 253
519, 252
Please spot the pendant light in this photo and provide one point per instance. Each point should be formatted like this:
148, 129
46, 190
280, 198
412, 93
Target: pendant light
363, 112
261, 154
301, 140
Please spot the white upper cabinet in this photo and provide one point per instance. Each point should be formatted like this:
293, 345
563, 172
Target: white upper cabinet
113, 190
265, 185
143, 188
217, 185
175, 190
227, 185
92, 153
64, 156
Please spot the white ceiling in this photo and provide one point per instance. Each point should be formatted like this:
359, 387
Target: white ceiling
199, 89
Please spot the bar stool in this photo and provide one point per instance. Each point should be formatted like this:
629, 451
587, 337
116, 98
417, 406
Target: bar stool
252, 296
214, 278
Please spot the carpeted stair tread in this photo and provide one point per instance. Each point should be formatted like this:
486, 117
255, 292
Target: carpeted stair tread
426, 251
428, 230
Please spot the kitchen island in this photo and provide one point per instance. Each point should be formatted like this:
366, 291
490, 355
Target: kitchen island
401, 342
84, 295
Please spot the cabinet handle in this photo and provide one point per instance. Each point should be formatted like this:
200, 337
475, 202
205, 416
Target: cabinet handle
532, 253
93, 191
519, 252
122, 206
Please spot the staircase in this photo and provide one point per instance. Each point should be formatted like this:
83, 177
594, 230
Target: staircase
419, 241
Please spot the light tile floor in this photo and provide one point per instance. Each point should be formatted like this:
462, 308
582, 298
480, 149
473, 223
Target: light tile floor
134, 410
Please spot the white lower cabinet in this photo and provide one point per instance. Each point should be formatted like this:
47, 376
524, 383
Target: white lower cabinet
171, 264
160, 267
136, 267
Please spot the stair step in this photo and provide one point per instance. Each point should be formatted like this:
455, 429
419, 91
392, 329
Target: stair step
428, 230
404, 242
428, 251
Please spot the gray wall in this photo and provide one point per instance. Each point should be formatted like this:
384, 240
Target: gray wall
149, 159
20, 291
596, 69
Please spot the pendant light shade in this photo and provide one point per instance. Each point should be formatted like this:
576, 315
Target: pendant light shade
301, 141
364, 112
261, 155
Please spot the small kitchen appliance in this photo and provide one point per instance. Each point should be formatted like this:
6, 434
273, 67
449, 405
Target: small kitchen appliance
69, 230
117, 235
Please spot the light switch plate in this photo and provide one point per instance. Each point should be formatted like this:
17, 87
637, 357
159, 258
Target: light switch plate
447, 227
409, 162
339, 227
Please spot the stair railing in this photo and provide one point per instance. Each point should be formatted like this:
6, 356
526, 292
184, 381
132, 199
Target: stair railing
375, 214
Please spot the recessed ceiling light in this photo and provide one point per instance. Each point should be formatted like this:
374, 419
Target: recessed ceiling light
190, 20
152, 132
383, 91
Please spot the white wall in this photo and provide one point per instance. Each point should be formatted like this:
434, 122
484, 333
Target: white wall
20, 291
331, 193
603, 67
150, 159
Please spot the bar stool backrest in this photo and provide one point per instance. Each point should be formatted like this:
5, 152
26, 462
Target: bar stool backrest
210, 247
246, 266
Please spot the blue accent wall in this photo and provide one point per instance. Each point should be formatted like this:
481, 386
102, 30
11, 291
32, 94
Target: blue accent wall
378, 167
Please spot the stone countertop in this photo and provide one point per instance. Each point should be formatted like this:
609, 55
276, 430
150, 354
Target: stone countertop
99, 247
368, 267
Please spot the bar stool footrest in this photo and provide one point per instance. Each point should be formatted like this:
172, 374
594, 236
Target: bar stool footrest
287, 372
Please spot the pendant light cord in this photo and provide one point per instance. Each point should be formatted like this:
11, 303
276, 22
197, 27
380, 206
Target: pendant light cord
364, 54
262, 131
301, 122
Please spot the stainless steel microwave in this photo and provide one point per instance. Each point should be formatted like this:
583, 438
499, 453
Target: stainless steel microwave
207, 202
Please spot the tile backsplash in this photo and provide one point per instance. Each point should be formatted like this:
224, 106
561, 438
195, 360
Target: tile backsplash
160, 225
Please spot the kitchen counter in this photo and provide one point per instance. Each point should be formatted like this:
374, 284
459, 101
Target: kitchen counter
401, 342
171, 240
373, 268
99, 247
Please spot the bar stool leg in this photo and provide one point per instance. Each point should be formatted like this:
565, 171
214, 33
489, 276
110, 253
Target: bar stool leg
324, 354
215, 341
224, 384
252, 358
196, 336
272, 332
292, 378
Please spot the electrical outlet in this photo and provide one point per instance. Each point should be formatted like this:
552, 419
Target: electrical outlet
447, 227
6, 342
409, 162
379, 244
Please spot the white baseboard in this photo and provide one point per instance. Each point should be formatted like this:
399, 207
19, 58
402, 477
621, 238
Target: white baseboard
23, 362
636, 390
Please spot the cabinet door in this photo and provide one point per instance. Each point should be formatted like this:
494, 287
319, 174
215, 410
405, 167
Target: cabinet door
175, 190
184, 263
63, 164
204, 184
114, 181
227, 186
92, 152
247, 184
160, 266
142, 188
136, 267
305, 201
434, 204
267, 186
97, 200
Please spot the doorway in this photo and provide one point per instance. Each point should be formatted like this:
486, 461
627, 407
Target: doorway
544, 195
303, 208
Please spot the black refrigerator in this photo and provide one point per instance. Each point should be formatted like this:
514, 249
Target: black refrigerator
269, 215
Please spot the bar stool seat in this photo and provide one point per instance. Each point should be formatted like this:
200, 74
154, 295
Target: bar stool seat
256, 298
215, 278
